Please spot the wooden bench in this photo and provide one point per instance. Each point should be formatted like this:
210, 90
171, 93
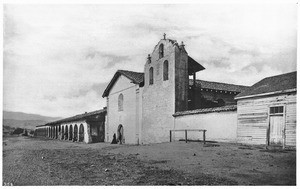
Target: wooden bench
186, 130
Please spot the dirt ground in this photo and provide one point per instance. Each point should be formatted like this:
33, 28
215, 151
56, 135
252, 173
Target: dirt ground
41, 161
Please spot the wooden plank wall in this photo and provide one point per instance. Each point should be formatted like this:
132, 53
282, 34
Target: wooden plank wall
253, 118
290, 122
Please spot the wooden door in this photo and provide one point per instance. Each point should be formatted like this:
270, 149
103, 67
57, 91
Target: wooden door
276, 129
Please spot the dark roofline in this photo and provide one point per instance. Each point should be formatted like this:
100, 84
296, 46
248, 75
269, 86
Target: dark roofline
140, 82
116, 76
78, 117
194, 66
286, 78
241, 87
40, 125
207, 110
266, 94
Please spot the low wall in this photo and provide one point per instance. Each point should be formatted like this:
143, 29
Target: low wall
220, 123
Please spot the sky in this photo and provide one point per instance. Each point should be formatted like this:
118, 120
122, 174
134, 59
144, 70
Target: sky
58, 59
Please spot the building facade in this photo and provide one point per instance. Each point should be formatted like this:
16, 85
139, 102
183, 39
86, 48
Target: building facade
142, 105
267, 111
150, 107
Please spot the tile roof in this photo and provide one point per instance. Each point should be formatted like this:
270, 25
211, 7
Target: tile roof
78, 117
138, 78
135, 77
207, 110
218, 86
278, 83
40, 125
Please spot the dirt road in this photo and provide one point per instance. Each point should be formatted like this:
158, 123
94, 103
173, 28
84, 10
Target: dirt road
40, 161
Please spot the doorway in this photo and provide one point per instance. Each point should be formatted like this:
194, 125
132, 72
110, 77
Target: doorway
81, 133
71, 132
120, 134
276, 134
75, 137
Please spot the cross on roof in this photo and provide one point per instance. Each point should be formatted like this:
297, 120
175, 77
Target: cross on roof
164, 36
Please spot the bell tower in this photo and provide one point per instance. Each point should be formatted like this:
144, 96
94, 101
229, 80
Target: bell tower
166, 82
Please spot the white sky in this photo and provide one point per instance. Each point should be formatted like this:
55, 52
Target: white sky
58, 59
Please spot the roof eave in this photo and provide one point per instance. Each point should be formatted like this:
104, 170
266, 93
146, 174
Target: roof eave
232, 91
65, 121
195, 66
266, 94
106, 91
113, 80
40, 125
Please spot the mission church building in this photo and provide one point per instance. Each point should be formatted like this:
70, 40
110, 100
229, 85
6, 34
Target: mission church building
167, 103
141, 107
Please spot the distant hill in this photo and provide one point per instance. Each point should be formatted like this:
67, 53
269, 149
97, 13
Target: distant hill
24, 120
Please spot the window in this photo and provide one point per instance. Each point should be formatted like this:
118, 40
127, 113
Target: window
276, 110
161, 50
151, 76
166, 70
120, 102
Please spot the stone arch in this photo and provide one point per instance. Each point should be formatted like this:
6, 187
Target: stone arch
75, 137
81, 133
56, 131
53, 135
66, 133
71, 132
62, 132
59, 131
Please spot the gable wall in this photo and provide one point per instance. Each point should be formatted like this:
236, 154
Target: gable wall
127, 117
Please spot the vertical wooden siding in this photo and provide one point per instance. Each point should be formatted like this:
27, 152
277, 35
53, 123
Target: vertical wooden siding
253, 118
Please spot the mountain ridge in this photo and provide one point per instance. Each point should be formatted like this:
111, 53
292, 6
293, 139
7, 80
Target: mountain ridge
25, 120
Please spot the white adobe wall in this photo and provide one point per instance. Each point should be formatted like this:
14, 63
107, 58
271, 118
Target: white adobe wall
127, 117
220, 126
159, 98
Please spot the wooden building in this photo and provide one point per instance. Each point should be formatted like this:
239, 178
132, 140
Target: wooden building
266, 111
